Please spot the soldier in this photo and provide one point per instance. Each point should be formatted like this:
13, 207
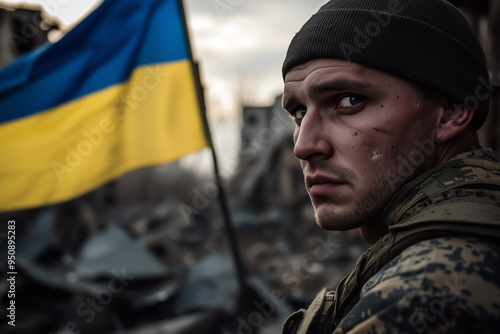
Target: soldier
387, 97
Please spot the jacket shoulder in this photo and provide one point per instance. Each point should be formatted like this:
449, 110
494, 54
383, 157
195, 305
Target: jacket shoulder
438, 285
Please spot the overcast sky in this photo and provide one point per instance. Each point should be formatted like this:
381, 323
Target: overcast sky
240, 44
241, 47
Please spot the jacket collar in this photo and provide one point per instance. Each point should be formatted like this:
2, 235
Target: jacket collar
476, 165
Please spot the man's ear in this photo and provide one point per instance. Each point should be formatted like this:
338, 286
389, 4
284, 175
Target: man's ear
453, 120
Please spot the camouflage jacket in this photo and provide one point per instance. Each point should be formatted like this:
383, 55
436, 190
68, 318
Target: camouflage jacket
438, 268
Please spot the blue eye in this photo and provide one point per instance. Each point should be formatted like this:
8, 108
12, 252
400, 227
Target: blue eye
350, 101
300, 113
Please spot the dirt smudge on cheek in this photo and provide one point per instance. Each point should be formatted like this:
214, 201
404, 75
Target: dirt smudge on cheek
376, 154
384, 131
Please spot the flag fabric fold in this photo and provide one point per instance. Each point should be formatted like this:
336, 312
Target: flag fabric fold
117, 93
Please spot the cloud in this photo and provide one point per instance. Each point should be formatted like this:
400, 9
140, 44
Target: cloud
241, 44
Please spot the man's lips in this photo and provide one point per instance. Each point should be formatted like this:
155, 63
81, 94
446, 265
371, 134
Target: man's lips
321, 185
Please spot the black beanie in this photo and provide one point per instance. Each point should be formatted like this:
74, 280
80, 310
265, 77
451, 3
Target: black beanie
429, 42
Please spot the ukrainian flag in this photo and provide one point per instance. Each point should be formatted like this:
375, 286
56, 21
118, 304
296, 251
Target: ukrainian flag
115, 94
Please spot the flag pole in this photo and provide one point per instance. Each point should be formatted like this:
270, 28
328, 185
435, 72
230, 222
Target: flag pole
228, 222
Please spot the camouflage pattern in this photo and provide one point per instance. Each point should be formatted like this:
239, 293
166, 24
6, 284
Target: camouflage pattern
442, 285
438, 268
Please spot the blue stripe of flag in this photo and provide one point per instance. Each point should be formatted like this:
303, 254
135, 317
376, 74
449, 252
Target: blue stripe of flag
101, 51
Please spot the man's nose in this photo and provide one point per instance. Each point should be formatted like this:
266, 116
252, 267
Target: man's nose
311, 139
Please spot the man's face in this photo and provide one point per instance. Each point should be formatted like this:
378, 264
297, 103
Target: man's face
354, 128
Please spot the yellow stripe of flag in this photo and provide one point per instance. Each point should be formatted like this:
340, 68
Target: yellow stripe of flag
67, 151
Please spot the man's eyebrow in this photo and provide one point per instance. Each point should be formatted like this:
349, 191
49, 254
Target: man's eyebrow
340, 84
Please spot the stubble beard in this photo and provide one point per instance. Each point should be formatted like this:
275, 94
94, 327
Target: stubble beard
361, 212
364, 210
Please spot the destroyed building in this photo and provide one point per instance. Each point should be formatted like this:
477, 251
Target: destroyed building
22, 30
